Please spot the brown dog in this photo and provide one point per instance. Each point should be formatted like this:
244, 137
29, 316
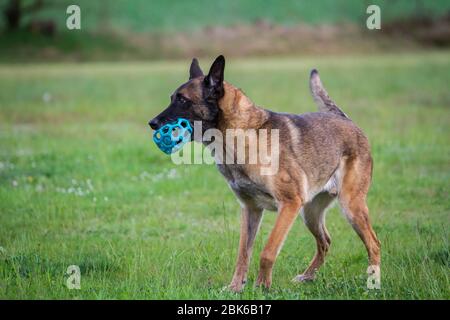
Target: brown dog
322, 156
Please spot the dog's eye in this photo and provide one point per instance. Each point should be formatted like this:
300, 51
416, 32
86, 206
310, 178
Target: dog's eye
181, 99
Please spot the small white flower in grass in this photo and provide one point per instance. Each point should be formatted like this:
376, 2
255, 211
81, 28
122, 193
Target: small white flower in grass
89, 185
47, 97
157, 177
172, 174
79, 192
39, 188
14, 183
144, 175
6, 165
24, 152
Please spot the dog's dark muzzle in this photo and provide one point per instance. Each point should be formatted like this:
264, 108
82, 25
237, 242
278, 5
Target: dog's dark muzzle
154, 124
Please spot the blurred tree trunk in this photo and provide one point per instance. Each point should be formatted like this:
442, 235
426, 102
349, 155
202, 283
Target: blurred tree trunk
14, 12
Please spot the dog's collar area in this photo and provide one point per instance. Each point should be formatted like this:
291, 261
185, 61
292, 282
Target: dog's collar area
171, 137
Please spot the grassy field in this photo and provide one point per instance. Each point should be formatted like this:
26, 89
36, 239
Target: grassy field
81, 182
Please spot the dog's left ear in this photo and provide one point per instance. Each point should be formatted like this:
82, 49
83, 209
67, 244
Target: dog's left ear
194, 70
214, 79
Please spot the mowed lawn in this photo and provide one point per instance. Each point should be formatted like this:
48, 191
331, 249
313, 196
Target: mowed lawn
81, 182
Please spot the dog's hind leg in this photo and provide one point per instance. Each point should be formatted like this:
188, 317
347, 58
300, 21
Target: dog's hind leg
352, 199
313, 214
250, 222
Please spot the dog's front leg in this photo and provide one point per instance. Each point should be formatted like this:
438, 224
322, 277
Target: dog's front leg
287, 213
250, 222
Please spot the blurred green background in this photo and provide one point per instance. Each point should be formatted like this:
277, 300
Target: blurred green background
176, 15
81, 182
142, 30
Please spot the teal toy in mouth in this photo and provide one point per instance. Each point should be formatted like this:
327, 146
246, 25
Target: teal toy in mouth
171, 137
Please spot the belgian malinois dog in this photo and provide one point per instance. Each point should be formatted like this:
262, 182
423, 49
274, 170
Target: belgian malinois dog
322, 156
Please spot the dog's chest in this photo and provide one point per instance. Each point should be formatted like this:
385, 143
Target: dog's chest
246, 189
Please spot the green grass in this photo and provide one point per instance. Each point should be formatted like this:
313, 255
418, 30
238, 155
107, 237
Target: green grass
159, 15
148, 229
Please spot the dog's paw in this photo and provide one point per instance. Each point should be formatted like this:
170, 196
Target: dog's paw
264, 282
303, 278
235, 287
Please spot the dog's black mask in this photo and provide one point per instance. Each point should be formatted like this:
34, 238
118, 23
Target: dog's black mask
197, 99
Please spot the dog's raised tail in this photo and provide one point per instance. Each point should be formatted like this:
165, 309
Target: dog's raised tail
321, 96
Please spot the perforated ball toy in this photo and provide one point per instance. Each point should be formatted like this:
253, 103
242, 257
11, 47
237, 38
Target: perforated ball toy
171, 137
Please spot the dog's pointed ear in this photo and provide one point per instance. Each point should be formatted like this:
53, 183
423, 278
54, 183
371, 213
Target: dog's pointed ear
194, 70
215, 75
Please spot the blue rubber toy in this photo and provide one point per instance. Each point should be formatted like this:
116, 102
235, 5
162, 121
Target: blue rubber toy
171, 137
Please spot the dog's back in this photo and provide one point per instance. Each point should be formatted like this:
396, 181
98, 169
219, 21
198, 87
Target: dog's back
319, 144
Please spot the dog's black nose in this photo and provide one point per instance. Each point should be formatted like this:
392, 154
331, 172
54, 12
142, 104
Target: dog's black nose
154, 124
